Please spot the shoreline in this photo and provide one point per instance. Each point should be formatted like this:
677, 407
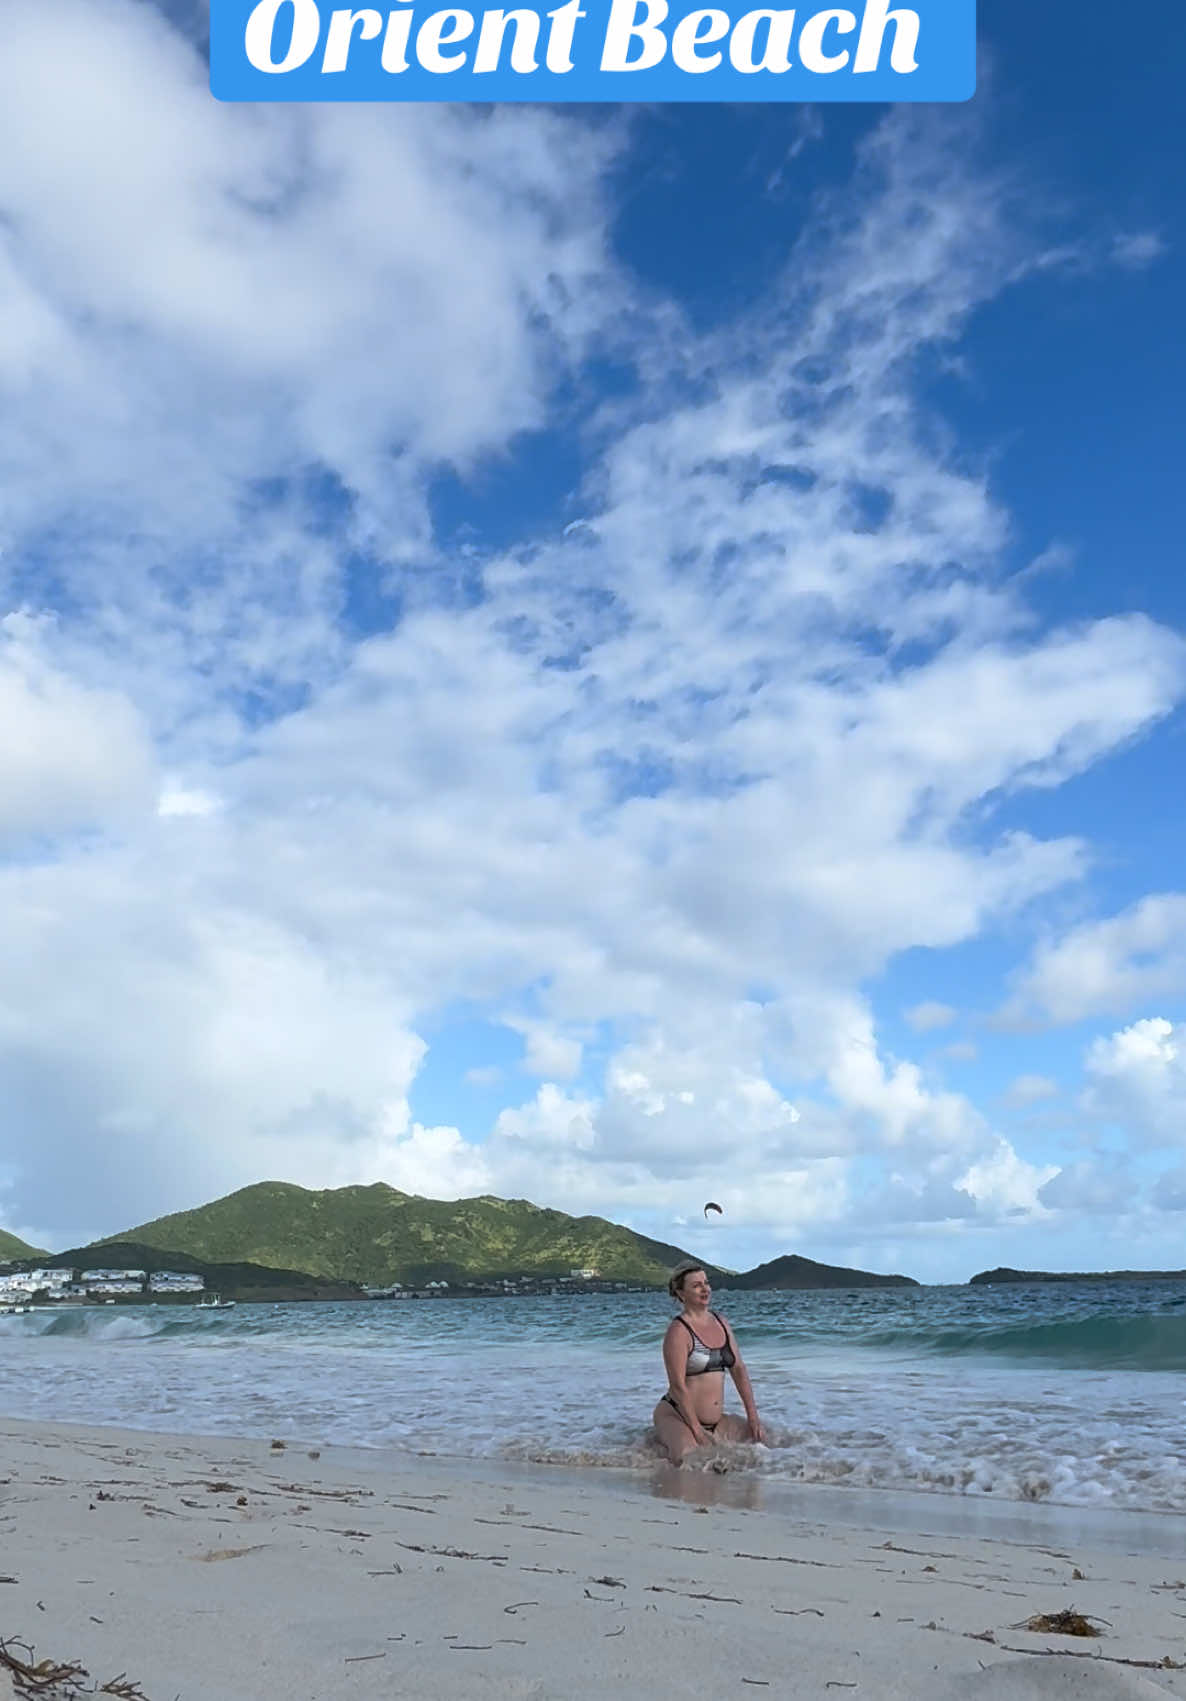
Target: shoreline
217, 1569
896, 1510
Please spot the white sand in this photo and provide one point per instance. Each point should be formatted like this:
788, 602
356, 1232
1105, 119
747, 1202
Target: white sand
225, 1571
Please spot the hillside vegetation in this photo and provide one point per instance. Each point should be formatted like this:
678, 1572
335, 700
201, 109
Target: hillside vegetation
795, 1272
11, 1247
378, 1235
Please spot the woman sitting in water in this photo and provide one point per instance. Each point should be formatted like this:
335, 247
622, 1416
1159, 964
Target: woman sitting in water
698, 1349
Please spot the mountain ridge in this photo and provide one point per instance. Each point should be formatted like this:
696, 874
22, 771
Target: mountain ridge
376, 1235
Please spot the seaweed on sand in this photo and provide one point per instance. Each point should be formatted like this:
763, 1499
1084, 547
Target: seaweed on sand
1068, 1622
57, 1680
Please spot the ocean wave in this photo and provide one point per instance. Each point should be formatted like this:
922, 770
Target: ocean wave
120, 1323
1104, 1342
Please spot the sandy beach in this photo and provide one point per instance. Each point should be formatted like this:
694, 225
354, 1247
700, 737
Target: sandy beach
210, 1570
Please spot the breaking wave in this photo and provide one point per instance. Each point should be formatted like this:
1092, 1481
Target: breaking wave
1105, 1342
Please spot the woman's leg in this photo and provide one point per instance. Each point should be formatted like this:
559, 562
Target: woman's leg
674, 1435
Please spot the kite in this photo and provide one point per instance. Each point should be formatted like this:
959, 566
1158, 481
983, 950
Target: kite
711, 1206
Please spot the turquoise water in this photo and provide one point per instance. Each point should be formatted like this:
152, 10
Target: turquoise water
1074, 1394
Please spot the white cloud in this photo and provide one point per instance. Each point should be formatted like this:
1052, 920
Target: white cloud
221, 1049
180, 800
1137, 249
1030, 1089
213, 313
1105, 967
1007, 1183
746, 725
552, 1122
484, 1075
547, 1053
1099, 1186
890, 1098
929, 1015
71, 757
433, 1162
1137, 1080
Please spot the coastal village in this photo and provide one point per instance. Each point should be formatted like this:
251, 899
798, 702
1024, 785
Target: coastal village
50, 1286
20, 1289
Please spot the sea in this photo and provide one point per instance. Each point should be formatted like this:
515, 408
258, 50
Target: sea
1073, 1394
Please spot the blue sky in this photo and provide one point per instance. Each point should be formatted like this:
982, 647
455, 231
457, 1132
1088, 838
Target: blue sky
615, 656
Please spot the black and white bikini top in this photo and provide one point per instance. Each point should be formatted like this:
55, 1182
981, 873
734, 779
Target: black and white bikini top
702, 1358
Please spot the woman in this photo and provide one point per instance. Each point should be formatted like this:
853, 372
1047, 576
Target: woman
698, 1348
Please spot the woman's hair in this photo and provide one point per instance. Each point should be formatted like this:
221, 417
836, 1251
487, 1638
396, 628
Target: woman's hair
677, 1278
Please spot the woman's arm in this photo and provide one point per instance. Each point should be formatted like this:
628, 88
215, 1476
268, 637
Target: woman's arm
744, 1387
675, 1360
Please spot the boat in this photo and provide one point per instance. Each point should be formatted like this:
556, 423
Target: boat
215, 1302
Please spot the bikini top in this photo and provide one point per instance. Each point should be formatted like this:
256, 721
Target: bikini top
702, 1358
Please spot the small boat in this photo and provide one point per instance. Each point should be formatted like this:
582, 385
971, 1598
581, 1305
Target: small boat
215, 1302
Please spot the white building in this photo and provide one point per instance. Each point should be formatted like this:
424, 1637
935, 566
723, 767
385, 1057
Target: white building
175, 1281
53, 1282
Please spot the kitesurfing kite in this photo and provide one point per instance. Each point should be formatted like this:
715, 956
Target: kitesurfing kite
712, 1206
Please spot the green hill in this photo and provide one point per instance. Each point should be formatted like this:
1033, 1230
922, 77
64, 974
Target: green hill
377, 1235
11, 1247
795, 1272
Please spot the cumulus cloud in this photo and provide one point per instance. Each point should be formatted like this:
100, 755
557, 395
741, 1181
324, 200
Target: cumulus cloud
1007, 1182
436, 1163
1107, 966
1137, 1080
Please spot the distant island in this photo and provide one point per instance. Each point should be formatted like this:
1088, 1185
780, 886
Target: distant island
795, 1272
1004, 1275
275, 1240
